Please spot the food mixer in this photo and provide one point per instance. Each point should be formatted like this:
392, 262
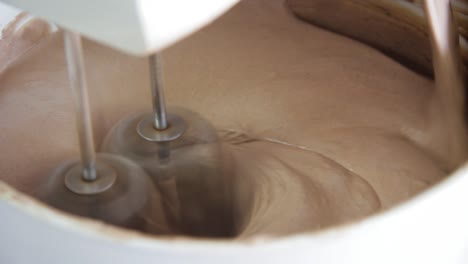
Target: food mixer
436, 74
111, 188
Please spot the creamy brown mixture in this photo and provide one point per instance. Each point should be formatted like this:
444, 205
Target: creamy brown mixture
319, 129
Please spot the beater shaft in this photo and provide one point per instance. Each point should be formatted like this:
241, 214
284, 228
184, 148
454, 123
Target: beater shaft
79, 88
449, 78
159, 104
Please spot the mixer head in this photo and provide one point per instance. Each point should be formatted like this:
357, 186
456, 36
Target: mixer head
189, 170
121, 195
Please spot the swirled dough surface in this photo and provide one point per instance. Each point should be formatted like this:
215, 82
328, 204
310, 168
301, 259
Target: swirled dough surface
320, 129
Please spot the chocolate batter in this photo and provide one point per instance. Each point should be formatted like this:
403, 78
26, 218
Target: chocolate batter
318, 129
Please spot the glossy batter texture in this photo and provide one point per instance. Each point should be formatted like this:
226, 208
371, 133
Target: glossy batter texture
318, 129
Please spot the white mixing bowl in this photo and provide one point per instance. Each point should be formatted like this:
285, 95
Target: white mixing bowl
430, 228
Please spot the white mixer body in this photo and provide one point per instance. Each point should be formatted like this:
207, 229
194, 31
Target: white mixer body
139, 27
